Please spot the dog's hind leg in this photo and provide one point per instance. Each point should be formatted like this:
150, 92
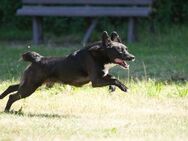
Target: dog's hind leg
24, 91
11, 100
10, 89
32, 78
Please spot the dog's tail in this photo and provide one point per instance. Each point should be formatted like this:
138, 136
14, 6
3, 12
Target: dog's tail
32, 56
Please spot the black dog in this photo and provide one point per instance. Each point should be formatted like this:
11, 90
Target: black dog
90, 64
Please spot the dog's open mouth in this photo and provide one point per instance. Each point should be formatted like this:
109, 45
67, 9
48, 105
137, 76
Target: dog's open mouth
121, 62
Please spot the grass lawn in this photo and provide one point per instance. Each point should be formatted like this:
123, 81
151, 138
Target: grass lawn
154, 109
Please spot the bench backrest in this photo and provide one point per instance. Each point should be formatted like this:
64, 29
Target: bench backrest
90, 2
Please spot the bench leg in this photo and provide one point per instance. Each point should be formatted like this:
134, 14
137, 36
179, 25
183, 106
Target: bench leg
37, 30
131, 30
152, 25
89, 31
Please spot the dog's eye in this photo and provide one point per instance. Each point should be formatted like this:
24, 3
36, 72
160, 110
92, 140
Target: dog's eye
122, 50
118, 48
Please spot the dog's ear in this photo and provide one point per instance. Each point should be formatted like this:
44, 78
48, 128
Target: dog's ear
95, 50
105, 38
115, 37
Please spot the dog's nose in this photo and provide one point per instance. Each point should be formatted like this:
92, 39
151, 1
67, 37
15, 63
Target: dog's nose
131, 58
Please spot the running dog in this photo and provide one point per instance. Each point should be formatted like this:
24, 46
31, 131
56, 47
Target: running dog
90, 64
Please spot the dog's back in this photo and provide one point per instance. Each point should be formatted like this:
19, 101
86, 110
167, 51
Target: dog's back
68, 70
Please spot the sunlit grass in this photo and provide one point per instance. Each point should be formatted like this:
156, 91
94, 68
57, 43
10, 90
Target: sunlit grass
146, 112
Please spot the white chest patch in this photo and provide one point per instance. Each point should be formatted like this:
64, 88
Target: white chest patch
107, 67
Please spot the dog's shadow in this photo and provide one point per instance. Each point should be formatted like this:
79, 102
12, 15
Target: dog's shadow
39, 115
47, 115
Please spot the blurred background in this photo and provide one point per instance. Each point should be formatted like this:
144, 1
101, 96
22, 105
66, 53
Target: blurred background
12, 27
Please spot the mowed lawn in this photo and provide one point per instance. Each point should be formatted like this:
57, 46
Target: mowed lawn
154, 109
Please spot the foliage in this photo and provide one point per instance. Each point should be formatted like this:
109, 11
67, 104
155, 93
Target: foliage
166, 11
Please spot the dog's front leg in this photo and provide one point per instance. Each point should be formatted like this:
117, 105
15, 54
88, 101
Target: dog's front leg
108, 80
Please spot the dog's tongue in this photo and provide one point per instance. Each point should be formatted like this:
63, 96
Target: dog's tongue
121, 62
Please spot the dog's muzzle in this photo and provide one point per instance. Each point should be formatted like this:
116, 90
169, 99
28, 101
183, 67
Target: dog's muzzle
123, 63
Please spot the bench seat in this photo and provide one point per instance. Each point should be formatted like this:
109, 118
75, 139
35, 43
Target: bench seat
86, 11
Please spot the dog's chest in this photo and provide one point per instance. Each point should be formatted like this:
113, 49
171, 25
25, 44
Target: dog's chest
107, 67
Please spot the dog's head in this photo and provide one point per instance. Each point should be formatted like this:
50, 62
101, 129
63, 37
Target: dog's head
114, 50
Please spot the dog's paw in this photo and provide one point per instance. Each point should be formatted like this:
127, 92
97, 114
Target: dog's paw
112, 88
124, 88
6, 111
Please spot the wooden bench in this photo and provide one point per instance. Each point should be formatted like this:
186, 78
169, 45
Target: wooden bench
85, 8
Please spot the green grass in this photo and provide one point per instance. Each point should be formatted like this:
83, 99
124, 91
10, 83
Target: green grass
155, 108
